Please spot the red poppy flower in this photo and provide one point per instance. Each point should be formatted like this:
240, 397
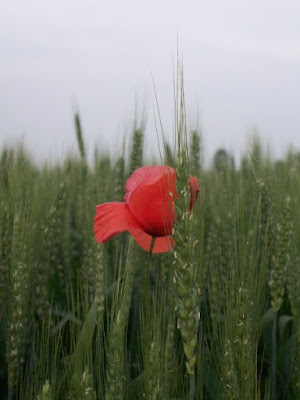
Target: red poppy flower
148, 210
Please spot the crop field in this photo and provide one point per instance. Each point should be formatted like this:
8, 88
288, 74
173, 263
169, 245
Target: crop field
216, 317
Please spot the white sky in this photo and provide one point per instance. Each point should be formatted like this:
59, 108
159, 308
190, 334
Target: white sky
241, 66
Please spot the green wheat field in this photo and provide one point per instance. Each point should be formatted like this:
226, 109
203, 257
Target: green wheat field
223, 319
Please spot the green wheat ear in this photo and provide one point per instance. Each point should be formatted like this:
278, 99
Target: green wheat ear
46, 393
5, 246
169, 156
229, 374
18, 304
281, 259
53, 239
293, 285
136, 155
195, 152
116, 373
266, 214
187, 298
154, 388
119, 179
82, 387
79, 136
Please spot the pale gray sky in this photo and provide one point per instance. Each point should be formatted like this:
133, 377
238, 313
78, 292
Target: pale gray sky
241, 66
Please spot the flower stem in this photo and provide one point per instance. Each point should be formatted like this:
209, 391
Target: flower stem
147, 316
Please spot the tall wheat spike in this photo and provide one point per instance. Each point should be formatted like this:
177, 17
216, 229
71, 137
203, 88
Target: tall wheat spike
18, 305
293, 286
82, 387
281, 259
187, 298
5, 258
46, 392
293, 282
79, 136
119, 179
195, 152
116, 374
136, 155
229, 374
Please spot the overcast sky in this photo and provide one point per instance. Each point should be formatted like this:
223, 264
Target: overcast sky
241, 67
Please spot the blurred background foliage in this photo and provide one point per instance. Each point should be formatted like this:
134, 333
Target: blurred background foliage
71, 319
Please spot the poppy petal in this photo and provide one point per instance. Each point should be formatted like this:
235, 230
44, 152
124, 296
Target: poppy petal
111, 219
194, 190
150, 194
162, 244
147, 175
